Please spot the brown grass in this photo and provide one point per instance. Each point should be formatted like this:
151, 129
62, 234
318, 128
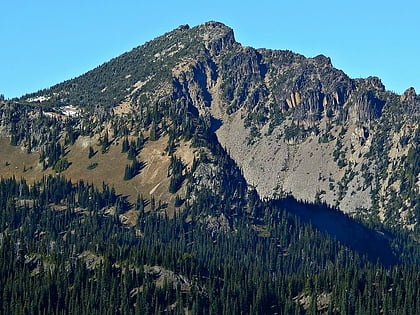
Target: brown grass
14, 161
151, 181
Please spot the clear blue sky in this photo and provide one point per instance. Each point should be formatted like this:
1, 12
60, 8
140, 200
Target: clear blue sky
44, 42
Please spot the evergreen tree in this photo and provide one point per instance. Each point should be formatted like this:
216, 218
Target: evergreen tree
91, 152
132, 170
140, 142
105, 143
153, 132
140, 203
125, 145
131, 153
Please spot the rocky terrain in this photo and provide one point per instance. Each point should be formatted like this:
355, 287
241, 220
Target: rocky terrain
294, 125
299, 126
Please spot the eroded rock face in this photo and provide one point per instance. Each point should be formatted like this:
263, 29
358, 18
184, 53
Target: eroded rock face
375, 83
293, 124
217, 225
258, 95
410, 102
366, 108
409, 96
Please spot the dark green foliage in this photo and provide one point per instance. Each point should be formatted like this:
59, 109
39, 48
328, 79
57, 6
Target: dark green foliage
170, 148
178, 201
52, 155
13, 140
326, 136
293, 131
152, 203
132, 152
133, 147
125, 145
140, 203
91, 152
140, 142
61, 165
244, 271
71, 136
276, 117
92, 166
105, 143
133, 169
154, 132
175, 170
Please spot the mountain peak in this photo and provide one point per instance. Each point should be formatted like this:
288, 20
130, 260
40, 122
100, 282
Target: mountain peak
216, 36
313, 120
183, 27
215, 25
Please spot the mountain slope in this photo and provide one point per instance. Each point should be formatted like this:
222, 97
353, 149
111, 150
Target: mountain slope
294, 125
161, 181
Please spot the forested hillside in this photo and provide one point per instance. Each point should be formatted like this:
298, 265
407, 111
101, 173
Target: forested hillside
64, 249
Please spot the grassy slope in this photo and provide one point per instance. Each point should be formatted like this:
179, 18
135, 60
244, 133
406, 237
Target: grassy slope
151, 181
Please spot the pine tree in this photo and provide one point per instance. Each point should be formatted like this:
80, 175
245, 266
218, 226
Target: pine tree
152, 203
178, 201
127, 173
153, 132
91, 152
131, 153
105, 143
140, 203
125, 145
132, 170
140, 142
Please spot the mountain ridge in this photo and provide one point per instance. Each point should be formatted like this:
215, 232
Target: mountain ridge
294, 125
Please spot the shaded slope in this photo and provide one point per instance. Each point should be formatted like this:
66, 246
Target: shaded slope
374, 244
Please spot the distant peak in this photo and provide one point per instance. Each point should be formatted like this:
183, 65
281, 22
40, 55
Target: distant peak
215, 28
323, 60
215, 24
183, 27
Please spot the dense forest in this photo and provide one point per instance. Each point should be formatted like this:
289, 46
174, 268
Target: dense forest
65, 249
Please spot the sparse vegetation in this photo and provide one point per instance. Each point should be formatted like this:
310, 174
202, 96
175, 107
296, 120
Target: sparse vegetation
92, 166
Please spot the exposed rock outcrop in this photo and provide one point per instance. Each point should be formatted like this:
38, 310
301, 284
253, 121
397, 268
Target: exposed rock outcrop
365, 108
409, 95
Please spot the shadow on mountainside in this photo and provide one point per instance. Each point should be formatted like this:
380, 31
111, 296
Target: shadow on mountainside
344, 229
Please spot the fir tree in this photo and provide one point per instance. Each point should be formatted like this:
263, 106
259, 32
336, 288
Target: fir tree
91, 152
125, 145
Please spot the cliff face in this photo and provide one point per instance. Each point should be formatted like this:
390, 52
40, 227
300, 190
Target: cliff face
294, 125
297, 125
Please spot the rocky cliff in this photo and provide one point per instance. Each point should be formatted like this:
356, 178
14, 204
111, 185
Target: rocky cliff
299, 126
